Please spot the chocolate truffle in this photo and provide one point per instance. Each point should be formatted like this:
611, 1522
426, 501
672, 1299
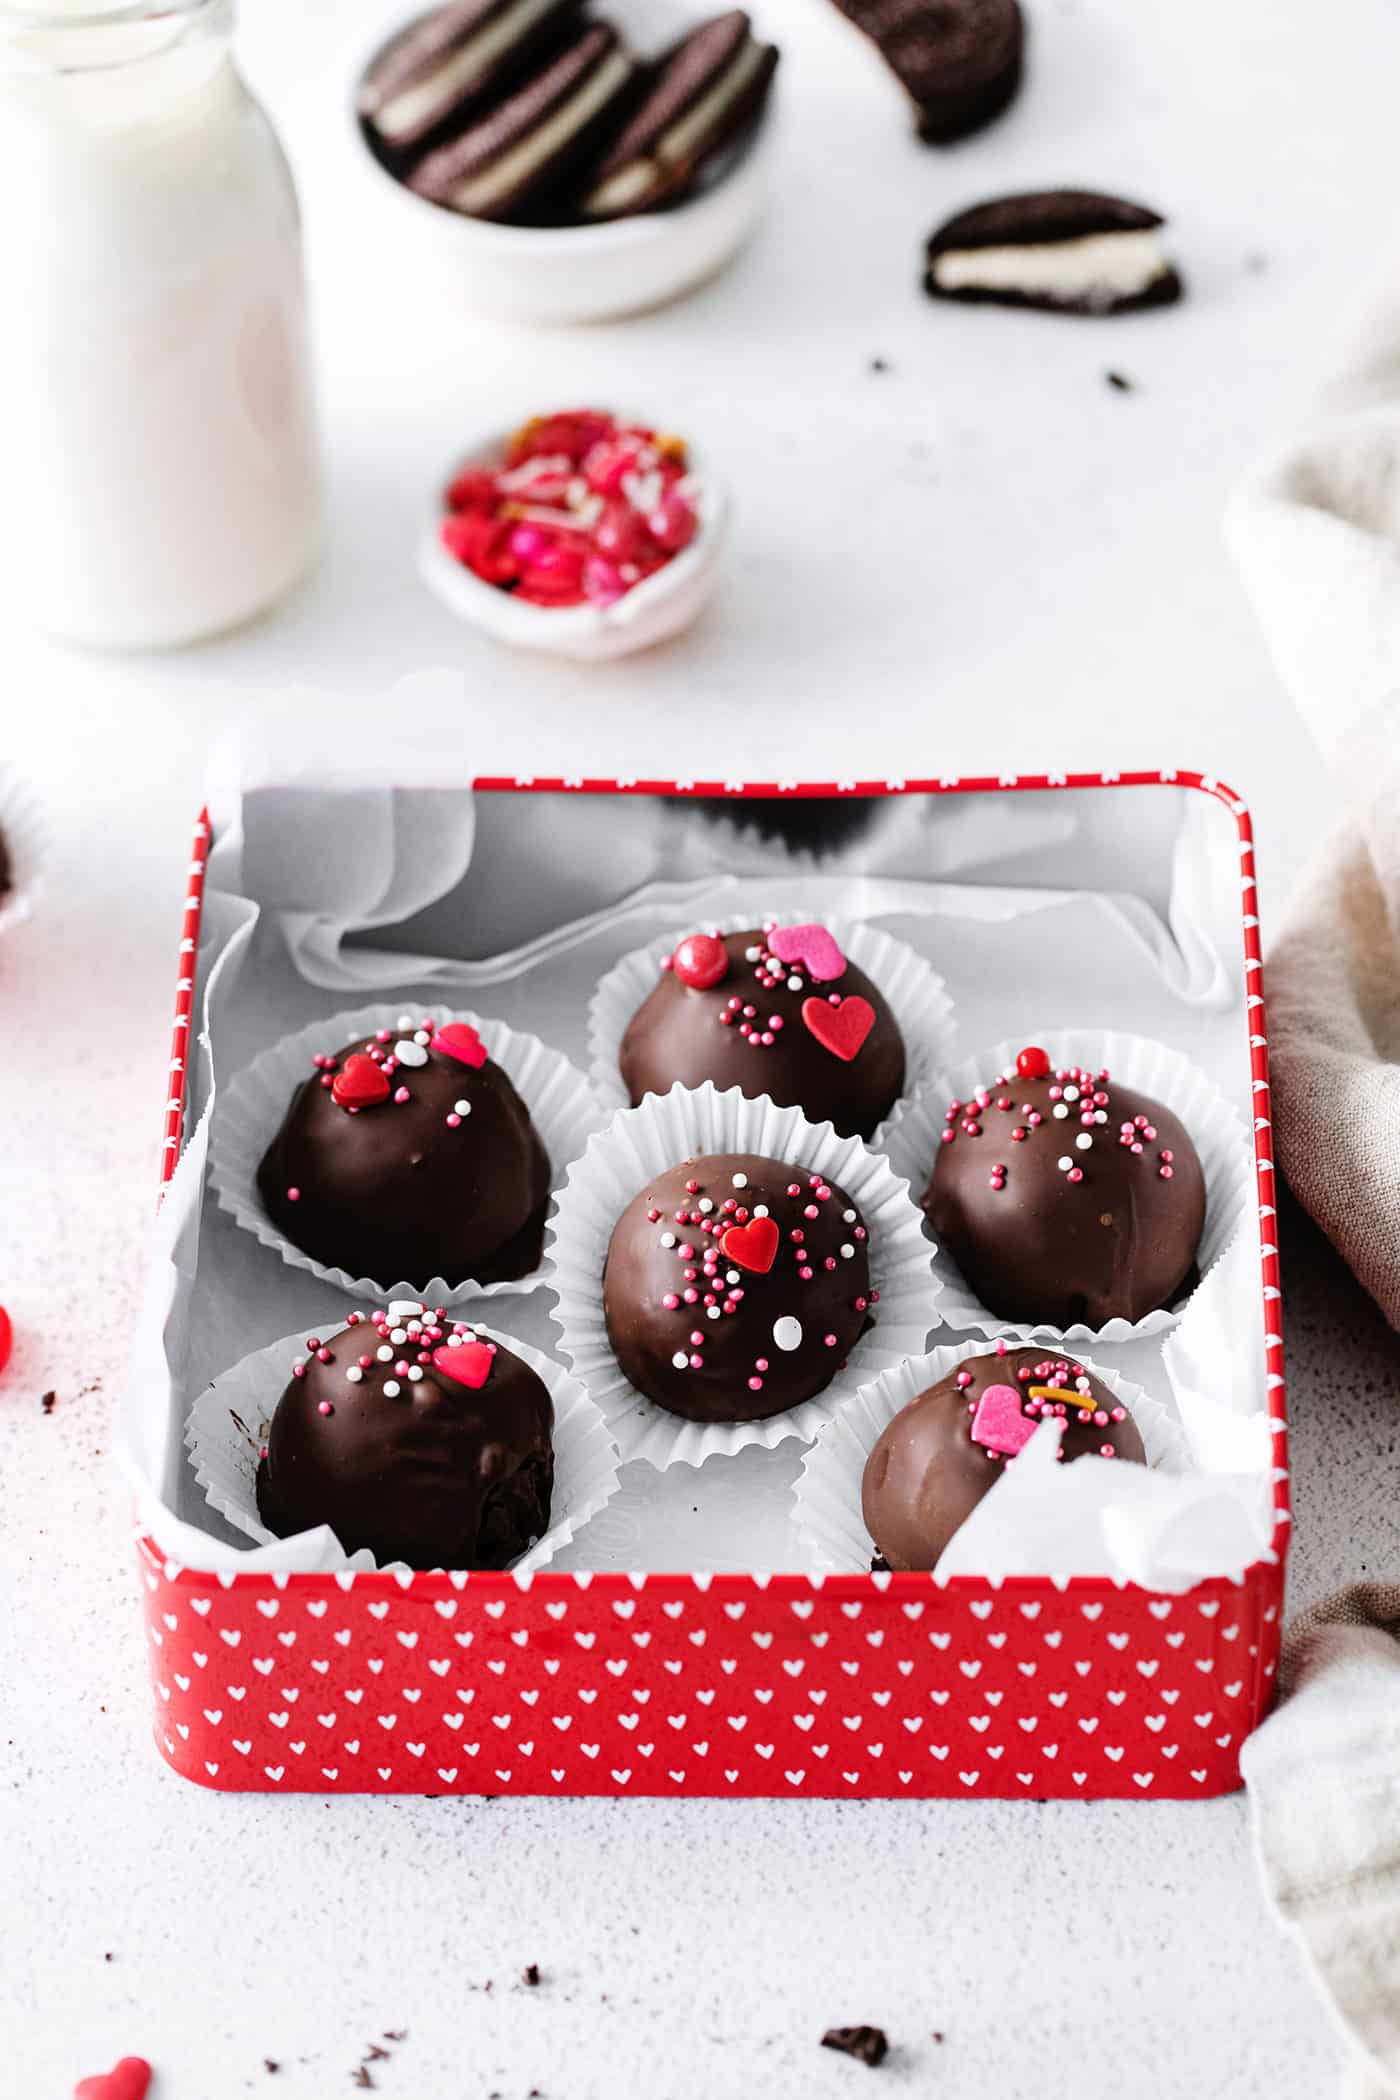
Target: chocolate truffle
735, 1286
409, 1157
411, 1434
936, 1460
776, 1010
1065, 1197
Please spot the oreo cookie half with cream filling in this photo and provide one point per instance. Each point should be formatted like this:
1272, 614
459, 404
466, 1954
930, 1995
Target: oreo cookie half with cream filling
703, 95
959, 61
445, 61
525, 150
1065, 251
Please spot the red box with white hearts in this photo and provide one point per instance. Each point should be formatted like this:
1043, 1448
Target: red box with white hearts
618, 1683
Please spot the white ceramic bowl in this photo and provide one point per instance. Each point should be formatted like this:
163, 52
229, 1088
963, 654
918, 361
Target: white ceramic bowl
573, 273
649, 613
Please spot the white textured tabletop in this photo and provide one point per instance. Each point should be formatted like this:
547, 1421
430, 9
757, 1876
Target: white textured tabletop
981, 557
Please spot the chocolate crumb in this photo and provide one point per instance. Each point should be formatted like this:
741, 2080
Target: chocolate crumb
375, 2055
108, 1957
866, 2044
362, 2079
396, 2034
531, 1973
937, 2035
271, 2066
878, 1564
1120, 382
48, 1402
880, 364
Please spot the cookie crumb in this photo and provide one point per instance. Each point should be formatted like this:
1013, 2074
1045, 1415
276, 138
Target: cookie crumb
530, 1974
867, 2044
1120, 382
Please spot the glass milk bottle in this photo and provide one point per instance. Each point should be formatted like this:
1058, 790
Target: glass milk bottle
158, 474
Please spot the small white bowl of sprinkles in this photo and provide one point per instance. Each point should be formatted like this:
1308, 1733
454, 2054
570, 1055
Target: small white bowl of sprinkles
578, 534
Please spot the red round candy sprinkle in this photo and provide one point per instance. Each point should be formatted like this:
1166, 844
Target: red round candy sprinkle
701, 960
1033, 1063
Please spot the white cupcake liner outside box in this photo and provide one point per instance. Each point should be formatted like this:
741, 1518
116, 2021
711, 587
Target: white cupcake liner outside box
25, 832
688, 1124
912, 1138
249, 1111
652, 611
225, 1457
912, 988
826, 1505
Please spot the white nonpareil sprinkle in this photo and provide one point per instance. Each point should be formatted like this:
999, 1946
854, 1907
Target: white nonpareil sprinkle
846, 1250
787, 1332
1060, 1111
415, 1372
354, 1374
405, 1024
741, 1181
1100, 1115
398, 1335
711, 1312
794, 984
1064, 1163
706, 1204
408, 1053
423, 1036
1083, 1141
848, 1217
391, 1387
680, 1359
731, 1276
461, 1108
1071, 1093
668, 1239
760, 1210
752, 954
385, 1355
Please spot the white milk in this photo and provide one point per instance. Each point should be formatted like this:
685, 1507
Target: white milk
158, 475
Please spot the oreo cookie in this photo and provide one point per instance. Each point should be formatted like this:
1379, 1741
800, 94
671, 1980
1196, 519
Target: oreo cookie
959, 60
703, 95
446, 61
524, 152
1064, 251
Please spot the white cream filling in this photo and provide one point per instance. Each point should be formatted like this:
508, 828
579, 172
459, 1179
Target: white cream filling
459, 70
633, 181
515, 168
1097, 267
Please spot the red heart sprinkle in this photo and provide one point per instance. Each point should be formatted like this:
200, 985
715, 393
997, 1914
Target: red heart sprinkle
999, 1423
460, 1040
754, 1246
359, 1083
700, 961
128, 2080
469, 1363
840, 1029
1032, 1063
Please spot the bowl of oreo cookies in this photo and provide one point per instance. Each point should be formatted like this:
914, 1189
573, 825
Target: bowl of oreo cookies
562, 168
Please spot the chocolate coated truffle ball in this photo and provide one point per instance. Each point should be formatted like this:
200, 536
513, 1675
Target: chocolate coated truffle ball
410, 1434
1066, 1198
778, 1011
936, 1460
410, 1157
734, 1287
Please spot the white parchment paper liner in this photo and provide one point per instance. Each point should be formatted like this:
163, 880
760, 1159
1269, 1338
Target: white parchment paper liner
225, 1457
826, 1493
25, 832
249, 1111
915, 993
686, 1124
912, 1137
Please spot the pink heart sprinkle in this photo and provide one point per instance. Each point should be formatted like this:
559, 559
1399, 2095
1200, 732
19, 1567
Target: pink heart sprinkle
999, 1423
812, 946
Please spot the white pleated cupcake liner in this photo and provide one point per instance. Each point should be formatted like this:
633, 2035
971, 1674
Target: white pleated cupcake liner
663, 1131
249, 1112
24, 830
826, 1494
228, 1423
913, 990
913, 1135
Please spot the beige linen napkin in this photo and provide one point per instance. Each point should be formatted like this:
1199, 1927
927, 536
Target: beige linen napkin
1324, 1782
1316, 532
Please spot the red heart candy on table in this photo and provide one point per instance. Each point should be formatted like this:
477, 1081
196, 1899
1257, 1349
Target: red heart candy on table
999, 1423
460, 1040
813, 946
128, 2080
840, 1029
359, 1083
753, 1246
469, 1363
